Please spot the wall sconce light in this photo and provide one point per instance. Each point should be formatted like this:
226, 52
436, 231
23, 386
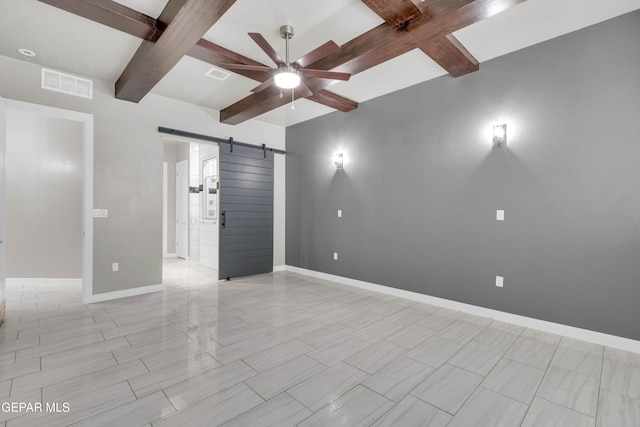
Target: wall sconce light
339, 160
499, 136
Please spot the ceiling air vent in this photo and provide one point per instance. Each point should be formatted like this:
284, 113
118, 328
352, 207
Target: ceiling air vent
217, 74
66, 83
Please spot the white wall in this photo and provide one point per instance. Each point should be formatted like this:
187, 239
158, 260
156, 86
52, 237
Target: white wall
170, 159
208, 227
43, 196
128, 169
3, 135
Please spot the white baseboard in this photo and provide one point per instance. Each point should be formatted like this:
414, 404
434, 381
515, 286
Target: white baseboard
528, 322
41, 281
107, 296
279, 268
172, 255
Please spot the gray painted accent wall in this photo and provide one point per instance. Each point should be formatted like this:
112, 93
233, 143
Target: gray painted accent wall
43, 196
421, 184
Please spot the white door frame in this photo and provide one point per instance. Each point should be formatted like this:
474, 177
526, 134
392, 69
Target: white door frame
182, 210
165, 206
87, 181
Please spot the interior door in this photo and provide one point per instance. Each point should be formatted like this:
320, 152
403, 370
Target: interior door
182, 209
246, 211
3, 216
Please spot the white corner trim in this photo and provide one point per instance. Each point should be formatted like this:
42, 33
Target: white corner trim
107, 296
280, 268
528, 322
42, 281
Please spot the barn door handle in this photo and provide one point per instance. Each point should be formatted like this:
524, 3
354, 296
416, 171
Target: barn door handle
223, 224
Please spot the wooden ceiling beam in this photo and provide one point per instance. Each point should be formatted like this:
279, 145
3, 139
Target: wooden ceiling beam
114, 15
439, 19
394, 12
451, 55
333, 100
187, 21
443, 17
448, 53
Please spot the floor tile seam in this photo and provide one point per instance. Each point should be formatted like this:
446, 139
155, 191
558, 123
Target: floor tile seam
175, 410
255, 391
633, 399
22, 375
373, 391
510, 397
526, 364
597, 377
616, 392
600, 384
410, 392
88, 417
566, 407
559, 404
429, 403
449, 362
576, 347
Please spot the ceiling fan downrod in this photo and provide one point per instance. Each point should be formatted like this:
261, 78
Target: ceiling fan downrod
286, 32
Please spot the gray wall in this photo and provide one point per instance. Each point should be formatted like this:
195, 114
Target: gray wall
43, 196
128, 154
421, 185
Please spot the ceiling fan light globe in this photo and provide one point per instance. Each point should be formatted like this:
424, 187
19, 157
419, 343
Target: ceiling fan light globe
287, 79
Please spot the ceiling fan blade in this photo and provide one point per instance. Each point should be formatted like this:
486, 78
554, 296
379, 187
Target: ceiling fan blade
266, 47
322, 74
230, 66
303, 90
317, 54
262, 86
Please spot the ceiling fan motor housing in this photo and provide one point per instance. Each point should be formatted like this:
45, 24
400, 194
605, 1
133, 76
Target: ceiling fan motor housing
286, 31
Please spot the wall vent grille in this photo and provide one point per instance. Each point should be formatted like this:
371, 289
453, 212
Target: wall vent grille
217, 74
66, 83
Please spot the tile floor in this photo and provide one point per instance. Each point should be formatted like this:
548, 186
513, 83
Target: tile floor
285, 349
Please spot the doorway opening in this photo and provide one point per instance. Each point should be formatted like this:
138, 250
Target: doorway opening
190, 203
63, 255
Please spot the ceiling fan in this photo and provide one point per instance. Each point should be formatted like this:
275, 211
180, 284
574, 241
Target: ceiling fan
289, 75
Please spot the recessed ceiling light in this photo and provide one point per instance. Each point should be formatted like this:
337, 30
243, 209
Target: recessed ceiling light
26, 52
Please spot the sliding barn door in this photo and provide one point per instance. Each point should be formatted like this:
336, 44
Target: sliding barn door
246, 211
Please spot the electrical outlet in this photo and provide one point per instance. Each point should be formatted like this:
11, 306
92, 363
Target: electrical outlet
115, 266
500, 215
335, 256
499, 281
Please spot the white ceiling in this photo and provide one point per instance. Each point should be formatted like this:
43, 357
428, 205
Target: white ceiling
67, 42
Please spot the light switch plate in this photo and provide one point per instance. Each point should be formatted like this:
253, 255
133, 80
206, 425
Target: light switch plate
115, 266
335, 256
499, 215
499, 281
101, 213
339, 213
